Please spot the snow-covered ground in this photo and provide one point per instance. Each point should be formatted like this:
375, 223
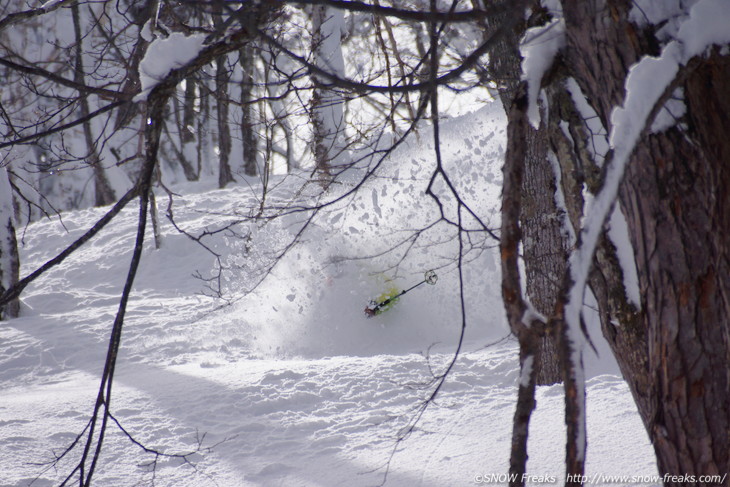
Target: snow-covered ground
290, 384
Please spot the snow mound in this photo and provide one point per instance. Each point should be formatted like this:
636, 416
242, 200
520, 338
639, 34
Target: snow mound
285, 381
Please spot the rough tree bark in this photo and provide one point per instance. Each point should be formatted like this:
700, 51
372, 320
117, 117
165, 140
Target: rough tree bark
539, 216
674, 351
528, 331
544, 246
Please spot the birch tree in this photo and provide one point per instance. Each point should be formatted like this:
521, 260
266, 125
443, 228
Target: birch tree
326, 110
9, 260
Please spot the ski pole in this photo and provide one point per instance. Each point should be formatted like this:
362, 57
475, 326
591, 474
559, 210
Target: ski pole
429, 277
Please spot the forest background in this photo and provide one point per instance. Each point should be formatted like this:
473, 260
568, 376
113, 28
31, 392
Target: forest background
613, 173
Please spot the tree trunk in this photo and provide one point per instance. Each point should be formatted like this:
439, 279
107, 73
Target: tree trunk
185, 120
9, 259
222, 77
675, 351
544, 247
677, 228
187, 130
527, 331
326, 106
248, 135
540, 218
272, 81
103, 192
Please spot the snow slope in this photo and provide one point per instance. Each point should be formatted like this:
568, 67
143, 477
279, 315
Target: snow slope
290, 384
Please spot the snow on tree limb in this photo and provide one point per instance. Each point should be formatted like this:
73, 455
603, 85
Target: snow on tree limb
649, 84
164, 55
538, 49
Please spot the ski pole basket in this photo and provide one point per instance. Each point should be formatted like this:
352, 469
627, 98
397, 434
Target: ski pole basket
430, 277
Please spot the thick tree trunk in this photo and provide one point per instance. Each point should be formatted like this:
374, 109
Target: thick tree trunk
539, 216
544, 246
681, 240
528, 331
675, 352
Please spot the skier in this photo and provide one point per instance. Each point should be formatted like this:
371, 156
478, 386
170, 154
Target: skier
383, 303
389, 298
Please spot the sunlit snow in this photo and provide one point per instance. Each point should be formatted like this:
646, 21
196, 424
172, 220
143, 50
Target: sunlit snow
165, 54
292, 384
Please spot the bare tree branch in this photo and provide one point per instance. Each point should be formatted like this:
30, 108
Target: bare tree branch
66, 126
16, 17
452, 75
407, 14
16, 290
80, 87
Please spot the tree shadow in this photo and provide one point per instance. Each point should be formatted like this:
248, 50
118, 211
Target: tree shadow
316, 422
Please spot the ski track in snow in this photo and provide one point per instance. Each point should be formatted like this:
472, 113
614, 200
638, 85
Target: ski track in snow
291, 385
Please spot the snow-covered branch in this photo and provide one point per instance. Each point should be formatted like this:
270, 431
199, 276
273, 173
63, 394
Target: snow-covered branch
649, 84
